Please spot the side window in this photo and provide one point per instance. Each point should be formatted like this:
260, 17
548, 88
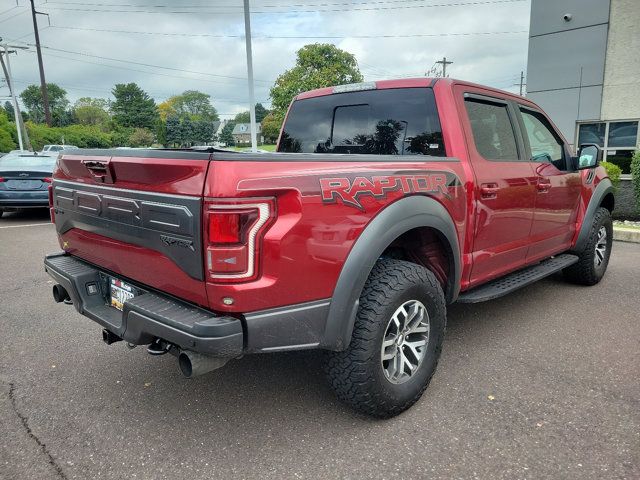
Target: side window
492, 130
544, 142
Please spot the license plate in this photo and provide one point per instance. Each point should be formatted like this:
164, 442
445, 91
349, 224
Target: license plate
120, 293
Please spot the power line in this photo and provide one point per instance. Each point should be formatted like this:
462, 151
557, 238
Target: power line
9, 9
287, 10
235, 6
147, 64
119, 67
12, 16
210, 35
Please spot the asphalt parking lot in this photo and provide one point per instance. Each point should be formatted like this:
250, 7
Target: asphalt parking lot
544, 383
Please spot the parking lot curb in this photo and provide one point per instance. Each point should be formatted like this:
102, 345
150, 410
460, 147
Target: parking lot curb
626, 235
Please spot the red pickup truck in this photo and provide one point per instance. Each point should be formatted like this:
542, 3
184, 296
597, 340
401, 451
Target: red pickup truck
385, 202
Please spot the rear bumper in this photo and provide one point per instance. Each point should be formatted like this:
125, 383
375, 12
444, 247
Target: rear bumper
147, 316
24, 199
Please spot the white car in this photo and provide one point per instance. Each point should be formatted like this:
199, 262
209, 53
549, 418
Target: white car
50, 149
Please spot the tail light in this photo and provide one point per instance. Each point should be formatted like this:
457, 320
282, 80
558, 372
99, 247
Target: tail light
47, 179
52, 212
233, 238
2, 179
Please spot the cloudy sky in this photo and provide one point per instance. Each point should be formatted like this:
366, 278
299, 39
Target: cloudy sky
170, 46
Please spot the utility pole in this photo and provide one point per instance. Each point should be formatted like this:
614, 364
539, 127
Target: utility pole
443, 62
43, 83
522, 84
252, 96
16, 110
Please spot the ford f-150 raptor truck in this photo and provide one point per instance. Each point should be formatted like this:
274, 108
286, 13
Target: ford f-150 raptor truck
384, 203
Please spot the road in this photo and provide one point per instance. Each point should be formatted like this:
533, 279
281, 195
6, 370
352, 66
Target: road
544, 383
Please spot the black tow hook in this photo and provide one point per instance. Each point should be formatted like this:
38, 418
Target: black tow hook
159, 347
109, 337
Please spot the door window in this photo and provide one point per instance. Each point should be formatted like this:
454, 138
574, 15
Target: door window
492, 130
544, 142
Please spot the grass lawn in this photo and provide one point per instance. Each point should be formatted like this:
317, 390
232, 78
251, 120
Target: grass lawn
268, 148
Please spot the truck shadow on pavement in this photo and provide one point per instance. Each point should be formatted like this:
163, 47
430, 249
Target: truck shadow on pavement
291, 386
32, 215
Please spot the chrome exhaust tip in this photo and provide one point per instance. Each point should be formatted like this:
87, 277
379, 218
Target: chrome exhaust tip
193, 364
60, 294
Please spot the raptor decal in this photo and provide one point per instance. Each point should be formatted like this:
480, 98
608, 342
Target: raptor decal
348, 191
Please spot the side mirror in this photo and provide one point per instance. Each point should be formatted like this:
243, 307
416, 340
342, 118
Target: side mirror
589, 156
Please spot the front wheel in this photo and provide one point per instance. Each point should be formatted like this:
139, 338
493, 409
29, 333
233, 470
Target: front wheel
396, 341
594, 257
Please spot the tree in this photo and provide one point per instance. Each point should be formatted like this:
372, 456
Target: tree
242, 117
58, 104
190, 104
245, 117
261, 112
202, 132
167, 109
195, 105
317, 65
141, 137
187, 132
6, 137
91, 111
225, 135
8, 108
173, 132
133, 107
271, 125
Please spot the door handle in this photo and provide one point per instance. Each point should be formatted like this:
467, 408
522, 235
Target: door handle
543, 186
101, 171
489, 190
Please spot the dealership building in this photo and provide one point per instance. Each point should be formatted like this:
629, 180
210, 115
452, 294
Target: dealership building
584, 70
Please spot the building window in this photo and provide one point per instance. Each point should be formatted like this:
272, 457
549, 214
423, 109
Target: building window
592, 133
618, 139
623, 134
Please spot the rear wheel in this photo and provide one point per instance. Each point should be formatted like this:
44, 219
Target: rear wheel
594, 257
396, 341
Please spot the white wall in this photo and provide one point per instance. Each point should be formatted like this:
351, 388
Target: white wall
621, 92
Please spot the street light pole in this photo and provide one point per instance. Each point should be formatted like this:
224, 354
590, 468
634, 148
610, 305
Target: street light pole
14, 101
252, 99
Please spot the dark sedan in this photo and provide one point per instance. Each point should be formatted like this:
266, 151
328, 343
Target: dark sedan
24, 180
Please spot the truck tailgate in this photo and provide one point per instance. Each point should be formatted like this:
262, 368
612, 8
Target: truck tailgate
137, 214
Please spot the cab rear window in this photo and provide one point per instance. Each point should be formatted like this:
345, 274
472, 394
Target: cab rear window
400, 121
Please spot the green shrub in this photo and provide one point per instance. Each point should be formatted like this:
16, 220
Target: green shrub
614, 172
141, 137
83, 136
6, 133
635, 176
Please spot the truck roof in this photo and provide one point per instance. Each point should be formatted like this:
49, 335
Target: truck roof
398, 83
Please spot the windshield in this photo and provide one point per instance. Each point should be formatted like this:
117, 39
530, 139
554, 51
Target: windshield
27, 160
402, 121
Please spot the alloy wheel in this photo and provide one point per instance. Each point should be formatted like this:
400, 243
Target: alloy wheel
405, 342
601, 247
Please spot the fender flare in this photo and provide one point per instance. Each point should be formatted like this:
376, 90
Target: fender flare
396, 219
602, 189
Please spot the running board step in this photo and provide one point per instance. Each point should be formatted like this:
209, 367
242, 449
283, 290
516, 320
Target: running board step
514, 281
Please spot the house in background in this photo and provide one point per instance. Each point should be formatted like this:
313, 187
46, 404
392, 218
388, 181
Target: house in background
242, 134
584, 71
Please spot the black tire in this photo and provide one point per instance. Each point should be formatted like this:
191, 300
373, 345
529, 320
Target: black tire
588, 271
357, 374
